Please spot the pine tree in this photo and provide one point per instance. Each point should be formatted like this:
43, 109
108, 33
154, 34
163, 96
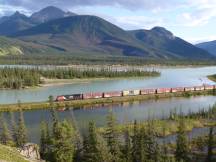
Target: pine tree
91, 147
182, 149
112, 138
5, 135
127, 146
63, 144
45, 141
150, 143
13, 127
137, 144
210, 146
21, 131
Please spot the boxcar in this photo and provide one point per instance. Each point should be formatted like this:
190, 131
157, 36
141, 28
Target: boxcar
112, 94
199, 88
188, 89
178, 89
131, 93
74, 97
209, 87
60, 98
148, 91
92, 95
163, 90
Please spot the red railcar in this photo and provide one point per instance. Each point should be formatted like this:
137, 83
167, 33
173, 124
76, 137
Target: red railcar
163, 90
92, 95
60, 98
178, 89
209, 87
112, 94
148, 91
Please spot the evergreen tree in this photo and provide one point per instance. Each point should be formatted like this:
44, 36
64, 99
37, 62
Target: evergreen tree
137, 144
210, 146
151, 146
127, 146
21, 131
5, 135
13, 127
63, 144
45, 141
112, 138
91, 151
182, 149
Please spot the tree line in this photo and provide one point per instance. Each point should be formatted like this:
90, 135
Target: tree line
61, 141
16, 78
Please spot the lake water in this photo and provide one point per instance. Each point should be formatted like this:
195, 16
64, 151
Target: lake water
170, 77
125, 112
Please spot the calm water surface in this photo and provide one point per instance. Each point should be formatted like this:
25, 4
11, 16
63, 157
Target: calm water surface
126, 112
170, 77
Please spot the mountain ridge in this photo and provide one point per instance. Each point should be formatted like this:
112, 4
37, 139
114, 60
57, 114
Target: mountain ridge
89, 35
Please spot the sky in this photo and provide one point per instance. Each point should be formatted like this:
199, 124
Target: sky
192, 20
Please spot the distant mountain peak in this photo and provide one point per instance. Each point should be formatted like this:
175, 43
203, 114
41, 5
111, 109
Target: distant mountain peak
49, 13
163, 31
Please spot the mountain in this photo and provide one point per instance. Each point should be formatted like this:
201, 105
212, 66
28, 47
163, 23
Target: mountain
86, 35
208, 46
10, 46
49, 13
163, 39
14, 23
90, 35
17, 21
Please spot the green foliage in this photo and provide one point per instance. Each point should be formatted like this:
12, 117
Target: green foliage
211, 144
9, 154
94, 149
16, 78
45, 140
182, 147
63, 149
5, 136
112, 138
21, 131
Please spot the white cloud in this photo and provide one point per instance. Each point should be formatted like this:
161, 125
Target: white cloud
7, 9
136, 22
200, 12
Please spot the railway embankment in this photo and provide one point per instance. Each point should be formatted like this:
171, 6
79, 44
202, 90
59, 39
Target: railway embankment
90, 102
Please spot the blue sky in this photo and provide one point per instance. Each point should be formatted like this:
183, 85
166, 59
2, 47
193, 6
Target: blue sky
193, 20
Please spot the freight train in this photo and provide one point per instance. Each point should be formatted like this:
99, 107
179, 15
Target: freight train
97, 95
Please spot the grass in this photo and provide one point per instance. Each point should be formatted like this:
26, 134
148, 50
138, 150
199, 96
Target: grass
9, 154
165, 127
80, 103
212, 77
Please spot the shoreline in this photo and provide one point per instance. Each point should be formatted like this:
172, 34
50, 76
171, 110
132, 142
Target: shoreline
212, 77
91, 102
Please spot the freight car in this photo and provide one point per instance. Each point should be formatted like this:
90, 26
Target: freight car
209, 87
131, 93
188, 89
199, 88
147, 91
92, 95
163, 90
178, 89
97, 95
112, 94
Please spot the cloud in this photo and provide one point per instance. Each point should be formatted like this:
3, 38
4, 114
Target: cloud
201, 13
7, 9
153, 5
134, 22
